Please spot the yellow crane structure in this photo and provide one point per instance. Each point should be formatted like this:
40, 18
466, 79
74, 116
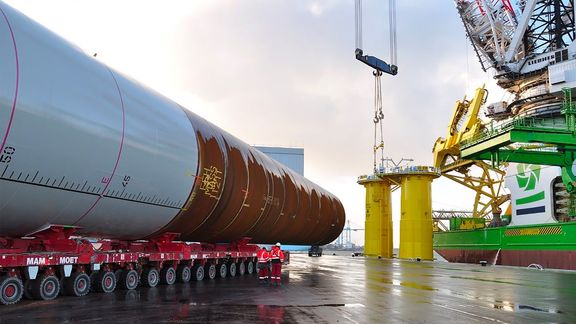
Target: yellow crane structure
488, 182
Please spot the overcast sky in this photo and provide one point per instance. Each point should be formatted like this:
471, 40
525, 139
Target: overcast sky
283, 73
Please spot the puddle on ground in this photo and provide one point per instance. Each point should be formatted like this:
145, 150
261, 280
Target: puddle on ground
511, 307
416, 285
410, 284
354, 305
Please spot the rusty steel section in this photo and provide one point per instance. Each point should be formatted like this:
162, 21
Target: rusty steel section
241, 192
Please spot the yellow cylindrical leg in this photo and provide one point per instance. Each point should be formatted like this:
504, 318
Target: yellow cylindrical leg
378, 227
416, 217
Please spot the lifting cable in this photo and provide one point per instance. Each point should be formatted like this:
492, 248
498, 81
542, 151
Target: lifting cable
392, 21
392, 28
358, 21
378, 114
378, 117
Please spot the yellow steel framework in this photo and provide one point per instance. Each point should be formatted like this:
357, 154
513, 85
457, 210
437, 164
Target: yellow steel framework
488, 185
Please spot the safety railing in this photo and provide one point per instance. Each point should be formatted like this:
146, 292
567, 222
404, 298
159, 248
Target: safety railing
525, 123
419, 169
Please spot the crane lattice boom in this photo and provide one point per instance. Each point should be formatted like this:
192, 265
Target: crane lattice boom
521, 43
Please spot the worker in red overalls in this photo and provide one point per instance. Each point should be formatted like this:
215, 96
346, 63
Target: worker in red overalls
276, 257
263, 259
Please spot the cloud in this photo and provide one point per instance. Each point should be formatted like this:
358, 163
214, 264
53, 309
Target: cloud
315, 8
318, 7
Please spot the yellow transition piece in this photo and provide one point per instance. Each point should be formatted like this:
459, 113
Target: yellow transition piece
415, 183
416, 216
378, 227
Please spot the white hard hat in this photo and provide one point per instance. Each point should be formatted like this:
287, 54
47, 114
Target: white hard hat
278, 244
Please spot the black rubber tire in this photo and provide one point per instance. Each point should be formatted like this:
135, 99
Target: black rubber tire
232, 269
105, 282
221, 270
210, 271
198, 272
128, 280
241, 268
168, 275
78, 284
46, 288
150, 277
183, 274
250, 267
11, 290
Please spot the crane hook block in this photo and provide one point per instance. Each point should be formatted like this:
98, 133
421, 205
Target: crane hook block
376, 63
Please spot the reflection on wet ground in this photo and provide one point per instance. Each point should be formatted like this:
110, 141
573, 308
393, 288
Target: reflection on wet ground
511, 307
332, 289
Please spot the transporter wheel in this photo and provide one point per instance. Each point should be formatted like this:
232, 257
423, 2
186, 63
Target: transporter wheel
128, 280
222, 270
250, 267
198, 272
241, 268
150, 277
11, 290
232, 269
78, 284
105, 282
46, 288
183, 273
168, 276
210, 270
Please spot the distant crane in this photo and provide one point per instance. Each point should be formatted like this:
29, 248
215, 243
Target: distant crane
345, 238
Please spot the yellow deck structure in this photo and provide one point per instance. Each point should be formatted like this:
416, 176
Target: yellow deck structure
415, 183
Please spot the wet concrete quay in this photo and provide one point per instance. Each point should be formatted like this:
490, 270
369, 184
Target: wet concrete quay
332, 289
